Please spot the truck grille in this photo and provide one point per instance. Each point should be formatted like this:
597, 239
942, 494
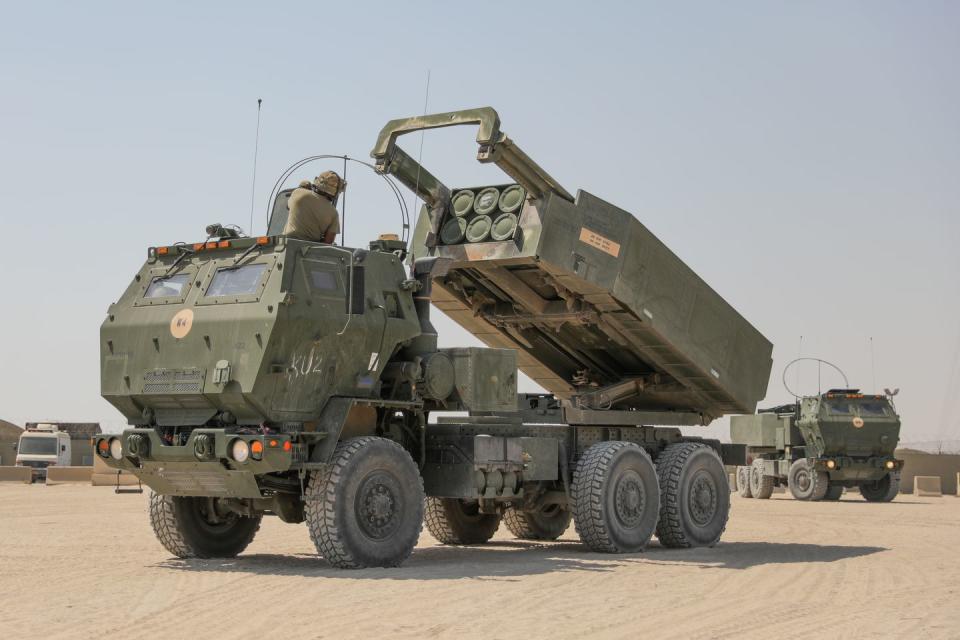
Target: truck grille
173, 381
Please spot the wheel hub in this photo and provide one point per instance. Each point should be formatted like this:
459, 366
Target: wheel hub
629, 499
803, 480
377, 506
702, 499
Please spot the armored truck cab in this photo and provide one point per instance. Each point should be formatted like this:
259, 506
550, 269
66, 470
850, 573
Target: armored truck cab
820, 445
271, 376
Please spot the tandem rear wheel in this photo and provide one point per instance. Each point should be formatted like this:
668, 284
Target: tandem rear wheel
694, 496
455, 521
365, 508
191, 527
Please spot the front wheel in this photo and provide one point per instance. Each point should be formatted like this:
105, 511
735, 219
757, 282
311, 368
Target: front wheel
833, 492
365, 509
190, 527
883, 490
806, 482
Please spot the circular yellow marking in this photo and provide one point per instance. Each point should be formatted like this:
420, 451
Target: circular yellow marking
857, 422
181, 323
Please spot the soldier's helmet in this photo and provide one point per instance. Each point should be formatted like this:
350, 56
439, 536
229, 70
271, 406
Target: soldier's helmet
330, 183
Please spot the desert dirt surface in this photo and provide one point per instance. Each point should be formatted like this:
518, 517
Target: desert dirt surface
81, 562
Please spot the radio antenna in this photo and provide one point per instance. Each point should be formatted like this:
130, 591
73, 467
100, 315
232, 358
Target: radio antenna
256, 149
416, 190
873, 366
343, 207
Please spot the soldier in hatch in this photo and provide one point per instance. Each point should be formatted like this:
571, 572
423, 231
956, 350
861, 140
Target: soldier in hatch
313, 214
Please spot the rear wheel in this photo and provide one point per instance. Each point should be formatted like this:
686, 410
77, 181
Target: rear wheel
743, 482
694, 496
806, 482
546, 524
453, 521
834, 491
883, 490
365, 509
616, 499
190, 527
761, 485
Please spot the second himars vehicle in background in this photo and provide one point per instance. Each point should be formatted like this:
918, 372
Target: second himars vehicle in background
820, 445
276, 376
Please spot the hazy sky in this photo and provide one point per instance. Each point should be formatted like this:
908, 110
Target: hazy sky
803, 158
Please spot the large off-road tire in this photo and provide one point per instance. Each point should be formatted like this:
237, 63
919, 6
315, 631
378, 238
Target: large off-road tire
365, 508
694, 496
761, 486
883, 490
191, 527
806, 482
616, 498
834, 491
545, 524
743, 482
453, 521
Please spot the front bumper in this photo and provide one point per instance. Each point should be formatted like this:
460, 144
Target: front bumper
847, 469
202, 466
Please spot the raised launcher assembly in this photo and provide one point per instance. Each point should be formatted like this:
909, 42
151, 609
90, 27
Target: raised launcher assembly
601, 312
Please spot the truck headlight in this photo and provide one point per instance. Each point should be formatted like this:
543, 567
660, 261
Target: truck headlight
239, 450
831, 464
116, 449
890, 464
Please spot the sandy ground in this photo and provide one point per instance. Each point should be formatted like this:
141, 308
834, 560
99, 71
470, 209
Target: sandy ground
81, 562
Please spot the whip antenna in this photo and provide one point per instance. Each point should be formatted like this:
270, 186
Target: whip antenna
256, 149
343, 227
416, 190
873, 366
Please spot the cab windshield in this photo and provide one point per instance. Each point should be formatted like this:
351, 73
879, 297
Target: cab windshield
167, 287
838, 408
38, 446
873, 409
236, 281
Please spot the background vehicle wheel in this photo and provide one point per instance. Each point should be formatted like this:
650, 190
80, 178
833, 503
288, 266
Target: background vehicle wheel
761, 486
191, 527
834, 491
616, 498
805, 482
365, 509
883, 490
453, 521
546, 524
743, 482
694, 496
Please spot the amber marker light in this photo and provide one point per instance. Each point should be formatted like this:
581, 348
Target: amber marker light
162, 251
256, 449
288, 446
274, 444
104, 448
211, 245
263, 240
223, 244
198, 246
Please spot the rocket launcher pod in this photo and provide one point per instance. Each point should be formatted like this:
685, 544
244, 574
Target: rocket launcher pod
601, 312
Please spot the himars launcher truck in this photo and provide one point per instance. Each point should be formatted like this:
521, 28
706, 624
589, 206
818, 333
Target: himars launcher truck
273, 376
